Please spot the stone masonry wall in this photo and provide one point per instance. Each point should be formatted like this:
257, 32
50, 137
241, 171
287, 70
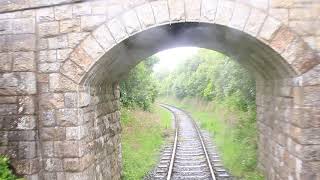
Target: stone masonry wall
88, 147
53, 126
18, 89
288, 141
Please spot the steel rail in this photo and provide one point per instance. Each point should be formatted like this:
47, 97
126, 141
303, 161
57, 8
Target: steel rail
173, 155
200, 138
204, 149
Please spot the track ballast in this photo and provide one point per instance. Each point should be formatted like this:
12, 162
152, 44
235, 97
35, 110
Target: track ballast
189, 156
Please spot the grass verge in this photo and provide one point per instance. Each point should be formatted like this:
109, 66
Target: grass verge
142, 136
234, 134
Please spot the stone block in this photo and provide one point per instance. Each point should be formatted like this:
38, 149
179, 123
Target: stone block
282, 39
45, 14
6, 62
22, 135
145, 15
23, 26
23, 61
27, 150
160, 11
176, 9
294, 51
73, 133
89, 23
72, 164
81, 9
53, 133
280, 14
307, 61
67, 149
304, 28
81, 57
72, 71
301, 14
8, 99
70, 100
26, 166
26, 105
193, 10
84, 99
269, 28
49, 67
92, 48
53, 164
51, 101
309, 153
67, 117
224, 12
49, 175
310, 78
58, 42
99, 7
209, 9
63, 54
18, 83
48, 56
240, 16
131, 21
47, 118
311, 95
75, 38
58, 82
4, 43
5, 26
70, 25
26, 122
260, 4
8, 109
63, 12
23, 42
104, 38
46, 29
47, 149
117, 29
282, 3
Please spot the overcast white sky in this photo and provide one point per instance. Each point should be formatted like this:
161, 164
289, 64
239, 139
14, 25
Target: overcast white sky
170, 58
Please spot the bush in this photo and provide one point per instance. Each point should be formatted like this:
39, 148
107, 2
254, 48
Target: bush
5, 171
139, 89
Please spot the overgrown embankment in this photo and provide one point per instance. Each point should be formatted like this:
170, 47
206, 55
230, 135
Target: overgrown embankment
143, 135
233, 130
220, 94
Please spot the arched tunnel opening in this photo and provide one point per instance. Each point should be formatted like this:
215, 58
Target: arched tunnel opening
272, 74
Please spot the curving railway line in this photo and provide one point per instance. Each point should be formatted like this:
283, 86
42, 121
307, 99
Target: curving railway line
191, 156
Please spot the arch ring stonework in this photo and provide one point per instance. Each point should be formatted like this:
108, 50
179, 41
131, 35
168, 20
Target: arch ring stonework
61, 63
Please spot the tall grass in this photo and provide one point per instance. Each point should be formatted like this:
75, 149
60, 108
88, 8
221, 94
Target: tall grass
142, 137
233, 130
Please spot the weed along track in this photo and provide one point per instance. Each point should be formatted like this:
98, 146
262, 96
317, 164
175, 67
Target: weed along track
191, 155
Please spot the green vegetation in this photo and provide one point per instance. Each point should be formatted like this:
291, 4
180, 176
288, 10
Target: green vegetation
234, 133
220, 94
140, 88
5, 172
211, 76
142, 136
145, 126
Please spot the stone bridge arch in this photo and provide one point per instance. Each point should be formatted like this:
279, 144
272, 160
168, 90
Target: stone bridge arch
74, 131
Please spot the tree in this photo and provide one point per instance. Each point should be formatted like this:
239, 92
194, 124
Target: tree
139, 89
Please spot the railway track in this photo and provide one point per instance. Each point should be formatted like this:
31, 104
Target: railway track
191, 155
